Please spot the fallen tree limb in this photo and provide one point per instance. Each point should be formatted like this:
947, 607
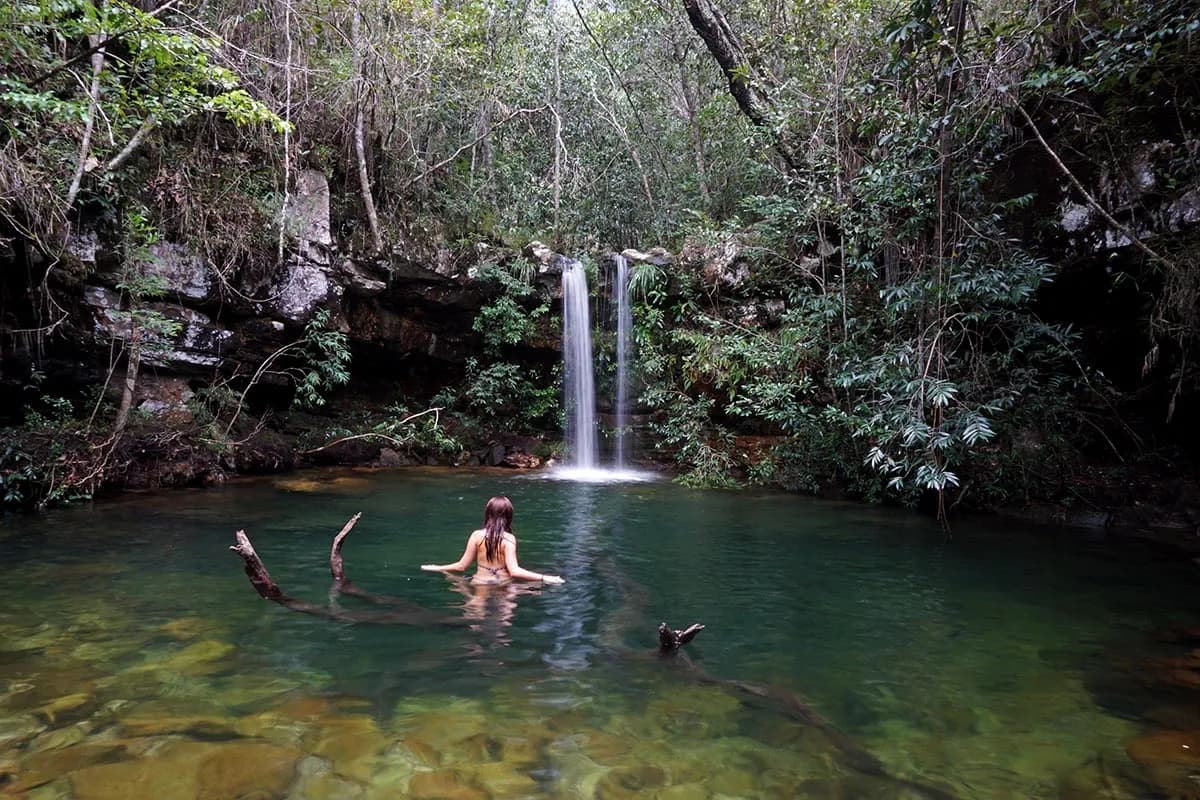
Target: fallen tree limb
337, 567
399, 611
774, 699
417, 615
669, 641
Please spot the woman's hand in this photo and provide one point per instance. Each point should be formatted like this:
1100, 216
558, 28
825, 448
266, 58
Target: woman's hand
431, 567
553, 579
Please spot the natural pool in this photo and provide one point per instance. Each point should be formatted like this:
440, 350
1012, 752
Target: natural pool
137, 661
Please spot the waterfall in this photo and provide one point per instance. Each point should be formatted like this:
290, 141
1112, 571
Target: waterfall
579, 391
624, 334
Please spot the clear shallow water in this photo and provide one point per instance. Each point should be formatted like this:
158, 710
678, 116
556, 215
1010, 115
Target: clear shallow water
137, 661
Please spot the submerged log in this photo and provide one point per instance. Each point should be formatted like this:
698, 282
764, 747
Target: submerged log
399, 611
337, 567
774, 699
418, 615
669, 641
265, 585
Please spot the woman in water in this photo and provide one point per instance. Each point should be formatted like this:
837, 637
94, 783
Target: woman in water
495, 547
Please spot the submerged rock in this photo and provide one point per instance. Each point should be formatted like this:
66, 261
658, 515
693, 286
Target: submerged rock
192, 771
628, 783
443, 784
351, 744
62, 708
1171, 760
344, 484
15, 731
317, 782
201, 658
58, 738
44, 767
501, 779
185, 628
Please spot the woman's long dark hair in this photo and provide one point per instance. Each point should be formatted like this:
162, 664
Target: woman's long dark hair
497, 521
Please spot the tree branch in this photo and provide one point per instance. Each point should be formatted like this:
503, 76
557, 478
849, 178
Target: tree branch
134, 142
85, 143
475, 141
1092, 201
96, 47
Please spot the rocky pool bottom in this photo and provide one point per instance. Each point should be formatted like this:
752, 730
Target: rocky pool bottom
137, 662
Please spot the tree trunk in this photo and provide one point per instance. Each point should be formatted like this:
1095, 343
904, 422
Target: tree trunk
132, 363
693, 115
97, 42
558, 142
360, 152
747, 83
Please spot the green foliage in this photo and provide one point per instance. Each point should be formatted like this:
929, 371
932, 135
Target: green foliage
907, 338
700, 448
507, 320
154, 73
324, 356
506, 397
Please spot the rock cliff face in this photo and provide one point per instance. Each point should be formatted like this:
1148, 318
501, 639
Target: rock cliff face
402, 314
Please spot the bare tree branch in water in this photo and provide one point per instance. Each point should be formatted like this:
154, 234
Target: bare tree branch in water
399, 611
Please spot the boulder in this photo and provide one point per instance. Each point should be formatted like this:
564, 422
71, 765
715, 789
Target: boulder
302, 288
541, 255
306, 217
199, 343
83, 247
362, 278
721, 264
1171, 760
186, 276
658, 256
1184, 211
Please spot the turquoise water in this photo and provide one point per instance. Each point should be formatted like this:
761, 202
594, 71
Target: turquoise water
1002, 663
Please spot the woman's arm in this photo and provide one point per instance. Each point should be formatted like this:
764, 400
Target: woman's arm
467, 557
517, 571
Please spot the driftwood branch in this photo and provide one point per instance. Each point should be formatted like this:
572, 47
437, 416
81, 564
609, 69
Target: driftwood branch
135, 141
337, 567
398, 612
669, 641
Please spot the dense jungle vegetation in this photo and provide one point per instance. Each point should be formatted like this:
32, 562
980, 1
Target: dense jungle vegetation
936, 251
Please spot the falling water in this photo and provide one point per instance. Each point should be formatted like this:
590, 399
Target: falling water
578, 387
624, 332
